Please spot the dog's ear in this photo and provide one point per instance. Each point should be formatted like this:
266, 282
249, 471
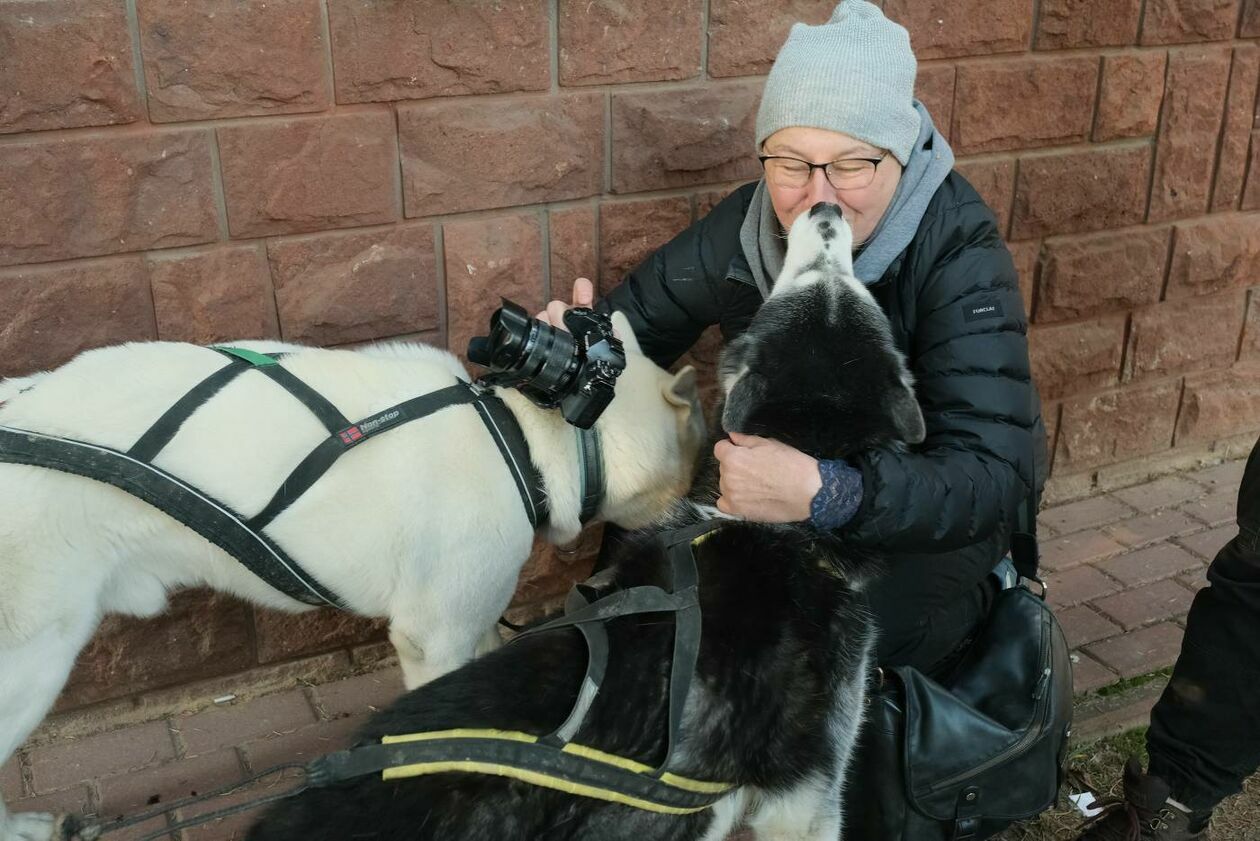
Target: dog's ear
621, 326
907, 417
747, 395
682, 390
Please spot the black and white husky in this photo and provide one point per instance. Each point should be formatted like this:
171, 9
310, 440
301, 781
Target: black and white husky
780, 681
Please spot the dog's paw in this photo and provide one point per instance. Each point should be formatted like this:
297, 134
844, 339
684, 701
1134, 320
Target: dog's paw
28, 826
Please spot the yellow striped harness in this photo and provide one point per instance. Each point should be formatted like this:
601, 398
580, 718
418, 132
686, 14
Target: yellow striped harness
553, 761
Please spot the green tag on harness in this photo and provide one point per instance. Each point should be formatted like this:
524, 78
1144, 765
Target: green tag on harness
253, 358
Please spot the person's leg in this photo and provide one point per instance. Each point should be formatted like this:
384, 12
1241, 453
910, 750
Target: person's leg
1204, 738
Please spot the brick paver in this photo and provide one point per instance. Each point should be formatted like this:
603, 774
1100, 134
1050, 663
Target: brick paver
1225, 476
1085, 514
1139, 652
130, 793
1083, 625
63, 764
230, 725
1143, 605
1151, 564
1151, 528
1063, 553
1077, 585
302, 745
76, 799
1122, 569
1088, 674
1206, 544
1215, 508
11, 779
1195, 580
1162, 493
363, 694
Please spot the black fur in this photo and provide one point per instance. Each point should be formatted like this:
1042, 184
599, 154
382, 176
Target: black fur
821, 375
784, 645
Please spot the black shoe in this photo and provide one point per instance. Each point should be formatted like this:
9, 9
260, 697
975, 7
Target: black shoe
1143, 815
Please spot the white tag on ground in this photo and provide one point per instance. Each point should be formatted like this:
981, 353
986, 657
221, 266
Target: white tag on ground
1084, 803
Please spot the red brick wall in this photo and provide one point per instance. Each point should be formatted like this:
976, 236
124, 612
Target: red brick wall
337, 171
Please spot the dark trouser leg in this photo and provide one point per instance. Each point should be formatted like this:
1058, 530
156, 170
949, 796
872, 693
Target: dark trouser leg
1205, 731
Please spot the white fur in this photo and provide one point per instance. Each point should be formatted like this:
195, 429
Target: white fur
807, 246
422, 525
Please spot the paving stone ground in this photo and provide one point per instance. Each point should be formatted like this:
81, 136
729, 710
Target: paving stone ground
1121, 567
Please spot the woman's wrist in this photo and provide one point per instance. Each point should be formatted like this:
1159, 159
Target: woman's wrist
839, 497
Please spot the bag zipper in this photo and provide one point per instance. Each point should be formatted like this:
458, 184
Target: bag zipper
1036, 726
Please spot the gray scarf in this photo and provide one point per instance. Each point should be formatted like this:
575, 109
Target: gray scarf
764, 244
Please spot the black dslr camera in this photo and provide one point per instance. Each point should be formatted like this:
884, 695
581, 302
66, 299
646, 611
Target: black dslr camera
576, 371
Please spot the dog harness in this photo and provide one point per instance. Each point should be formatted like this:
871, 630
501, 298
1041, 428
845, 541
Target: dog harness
244, 537
552, 761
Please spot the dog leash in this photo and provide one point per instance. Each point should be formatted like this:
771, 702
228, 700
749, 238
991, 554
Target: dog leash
551, 761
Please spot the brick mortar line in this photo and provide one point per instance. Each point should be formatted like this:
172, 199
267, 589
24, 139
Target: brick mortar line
330, 64
53, 136
26, 774
608, 143
218, 189
142, 83
1098, 95
1214, 181
1159, 125
440, 279
279, 325
705, 10
316, 702
400, 174
609, 197
544, 234
553, 44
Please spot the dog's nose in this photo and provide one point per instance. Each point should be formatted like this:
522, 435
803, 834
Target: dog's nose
825, 208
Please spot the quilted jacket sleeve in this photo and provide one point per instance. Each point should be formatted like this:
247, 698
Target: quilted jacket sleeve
969, 355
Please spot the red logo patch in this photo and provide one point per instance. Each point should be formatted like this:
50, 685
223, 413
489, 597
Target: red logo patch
351, 435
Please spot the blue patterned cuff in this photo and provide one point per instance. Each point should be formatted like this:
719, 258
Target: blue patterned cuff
839, 497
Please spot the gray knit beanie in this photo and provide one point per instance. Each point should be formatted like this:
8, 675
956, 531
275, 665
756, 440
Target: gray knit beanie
853, 74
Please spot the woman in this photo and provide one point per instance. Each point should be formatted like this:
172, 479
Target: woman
838, 123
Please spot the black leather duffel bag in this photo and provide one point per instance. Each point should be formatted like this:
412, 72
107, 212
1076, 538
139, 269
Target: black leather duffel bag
963, 758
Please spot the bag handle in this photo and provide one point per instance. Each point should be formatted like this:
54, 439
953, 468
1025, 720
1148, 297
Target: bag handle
1025, 552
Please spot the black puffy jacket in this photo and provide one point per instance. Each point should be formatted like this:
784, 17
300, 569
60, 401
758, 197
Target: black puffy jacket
943, 511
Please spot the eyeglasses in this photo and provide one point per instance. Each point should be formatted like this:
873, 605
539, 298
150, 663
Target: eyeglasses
845, 174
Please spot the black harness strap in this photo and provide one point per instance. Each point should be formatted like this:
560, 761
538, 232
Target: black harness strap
342, 439
683, 602
329, 415
591, 468
506, 432
133, 471
596, 636
160, 434
213, 520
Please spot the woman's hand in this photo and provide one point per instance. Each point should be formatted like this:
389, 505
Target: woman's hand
764, 480
583, 296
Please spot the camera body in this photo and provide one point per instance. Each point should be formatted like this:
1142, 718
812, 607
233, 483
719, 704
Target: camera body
576, 371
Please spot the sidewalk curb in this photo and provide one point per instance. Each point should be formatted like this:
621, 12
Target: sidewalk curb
1099, 716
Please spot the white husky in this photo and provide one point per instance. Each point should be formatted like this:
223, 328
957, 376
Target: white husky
423, 524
